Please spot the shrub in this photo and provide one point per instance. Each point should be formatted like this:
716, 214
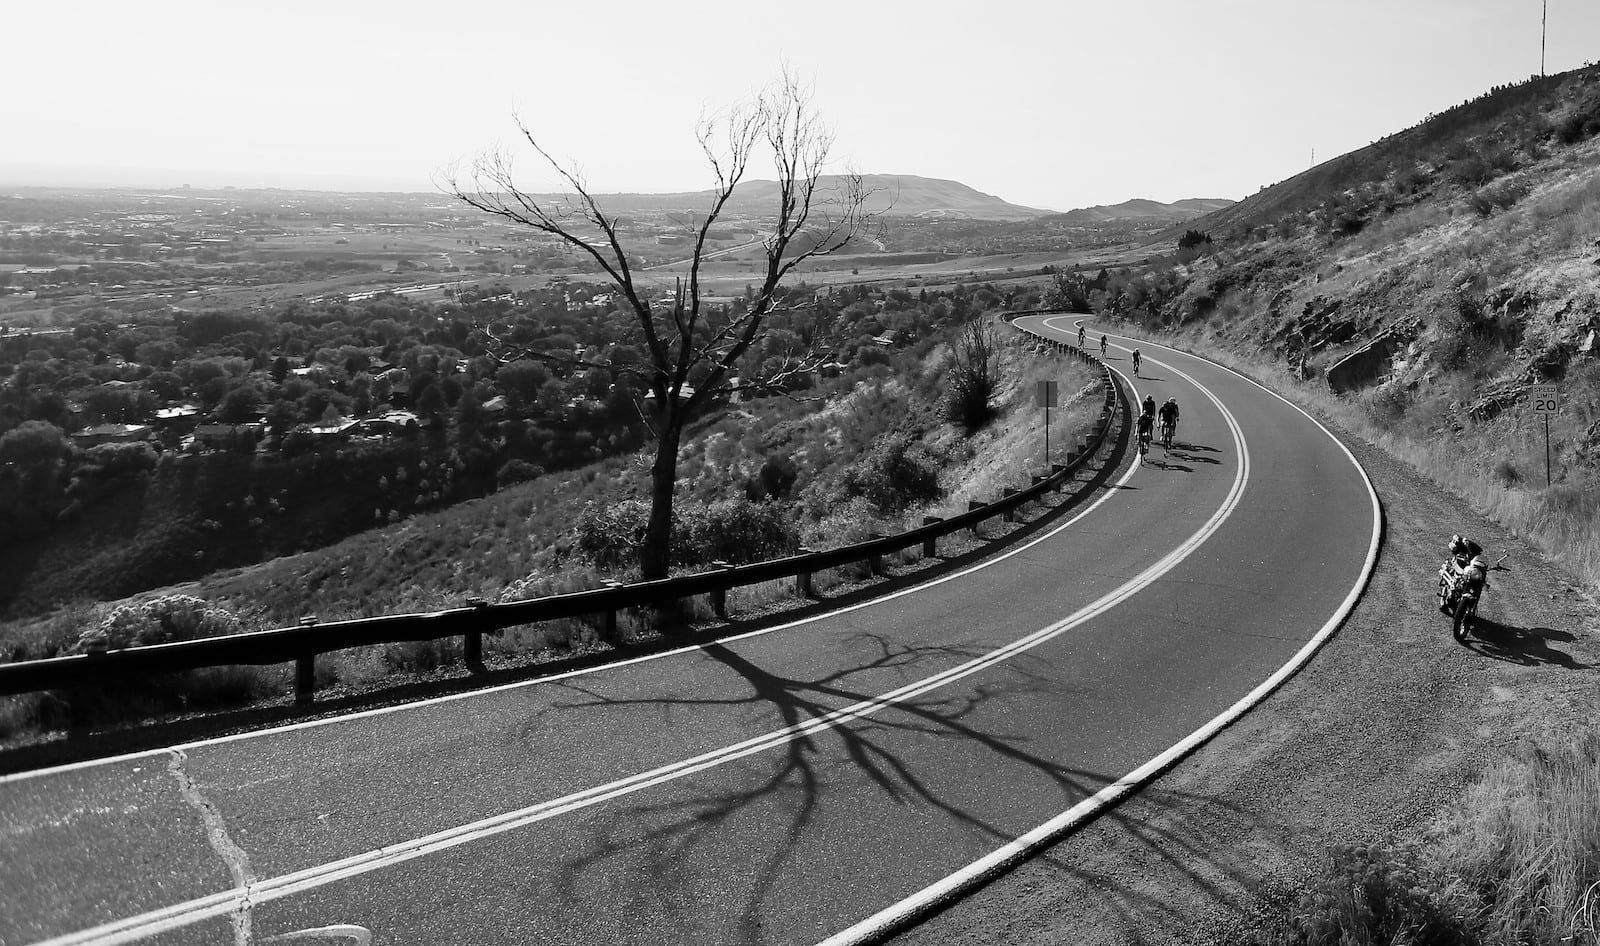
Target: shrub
897, 472
1506, 472
1497, 196
609, 534
517, 471
974, 376
734, 530
775, 479
159, 621
1375, 896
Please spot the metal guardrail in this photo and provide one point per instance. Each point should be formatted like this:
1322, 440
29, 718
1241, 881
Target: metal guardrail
303, 643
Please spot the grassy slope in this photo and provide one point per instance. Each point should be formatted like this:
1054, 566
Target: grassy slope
1487, 302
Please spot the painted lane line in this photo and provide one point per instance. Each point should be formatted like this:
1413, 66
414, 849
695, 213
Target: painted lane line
504, 687
188, 913
1003, 858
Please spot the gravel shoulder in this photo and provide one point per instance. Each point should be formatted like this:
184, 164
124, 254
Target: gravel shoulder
1386, 727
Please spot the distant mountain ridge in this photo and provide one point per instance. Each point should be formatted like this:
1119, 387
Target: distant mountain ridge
1146, 211
901, 195
909, 195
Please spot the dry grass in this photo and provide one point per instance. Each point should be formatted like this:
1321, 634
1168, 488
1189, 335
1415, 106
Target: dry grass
1525, 843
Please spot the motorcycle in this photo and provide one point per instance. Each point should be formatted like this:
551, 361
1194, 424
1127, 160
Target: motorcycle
1459, 596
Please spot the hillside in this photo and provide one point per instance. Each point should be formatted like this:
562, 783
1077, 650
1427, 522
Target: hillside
1428, 280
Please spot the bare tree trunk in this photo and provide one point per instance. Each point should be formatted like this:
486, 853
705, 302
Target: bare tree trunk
655, 555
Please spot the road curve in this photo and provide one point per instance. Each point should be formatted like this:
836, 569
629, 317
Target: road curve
785, 786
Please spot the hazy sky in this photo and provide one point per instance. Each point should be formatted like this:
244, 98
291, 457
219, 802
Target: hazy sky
1055, 104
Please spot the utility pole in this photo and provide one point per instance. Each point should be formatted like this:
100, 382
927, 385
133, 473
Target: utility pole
1544, 16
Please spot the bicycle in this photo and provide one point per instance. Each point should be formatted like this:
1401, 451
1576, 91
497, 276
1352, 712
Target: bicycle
1144, 446
1167, 430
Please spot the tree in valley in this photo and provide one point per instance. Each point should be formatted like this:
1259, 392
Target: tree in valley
690, 352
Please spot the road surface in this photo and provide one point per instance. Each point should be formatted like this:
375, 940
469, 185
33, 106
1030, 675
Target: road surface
787, 786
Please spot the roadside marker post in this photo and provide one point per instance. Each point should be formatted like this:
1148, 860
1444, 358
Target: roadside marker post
1046, 391
1546, 401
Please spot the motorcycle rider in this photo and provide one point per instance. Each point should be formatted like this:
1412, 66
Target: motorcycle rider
1468, 567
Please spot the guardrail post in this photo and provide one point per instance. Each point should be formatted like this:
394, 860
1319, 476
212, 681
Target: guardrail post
305, 669
802, 581
719, 597
875, 562
971, 505
930, 545
472, 641
608, 622
1010, 515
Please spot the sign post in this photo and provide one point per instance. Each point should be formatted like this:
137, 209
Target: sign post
1546, 401
1046, 391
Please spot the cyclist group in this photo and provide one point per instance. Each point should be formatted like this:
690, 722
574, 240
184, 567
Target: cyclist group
1151, 417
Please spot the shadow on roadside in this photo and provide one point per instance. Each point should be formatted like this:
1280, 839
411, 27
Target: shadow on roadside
1529, 646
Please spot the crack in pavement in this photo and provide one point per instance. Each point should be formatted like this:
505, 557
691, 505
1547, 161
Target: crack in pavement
217, 833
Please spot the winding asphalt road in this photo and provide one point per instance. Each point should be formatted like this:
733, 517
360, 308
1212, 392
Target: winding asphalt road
792, 785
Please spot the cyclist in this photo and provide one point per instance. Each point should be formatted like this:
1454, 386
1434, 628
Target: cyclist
1102, 346
1169, 421
1081, 336
1136, 357
1147, 421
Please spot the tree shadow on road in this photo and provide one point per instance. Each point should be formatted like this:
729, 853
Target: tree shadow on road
1529, 647
869, 739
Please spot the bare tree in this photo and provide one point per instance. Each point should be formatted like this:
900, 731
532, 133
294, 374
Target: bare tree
683, 336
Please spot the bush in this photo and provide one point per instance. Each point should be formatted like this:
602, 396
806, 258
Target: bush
517, 471
734, 530
974, 376
159, 621
1497, 196
896, 473
1506, 473
609, 534
775, 479
1375, 896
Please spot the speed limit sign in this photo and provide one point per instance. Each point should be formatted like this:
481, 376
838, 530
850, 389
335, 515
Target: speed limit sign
1546, 398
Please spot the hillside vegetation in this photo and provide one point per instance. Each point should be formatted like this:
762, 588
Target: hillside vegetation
1457, 262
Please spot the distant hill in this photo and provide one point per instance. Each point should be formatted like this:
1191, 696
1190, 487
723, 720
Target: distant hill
904, 195
1143, 211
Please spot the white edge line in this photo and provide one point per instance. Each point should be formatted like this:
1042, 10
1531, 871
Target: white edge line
539, 681
996, 862
176, 916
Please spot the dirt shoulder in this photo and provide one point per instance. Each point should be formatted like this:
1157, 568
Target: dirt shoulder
1387, 725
